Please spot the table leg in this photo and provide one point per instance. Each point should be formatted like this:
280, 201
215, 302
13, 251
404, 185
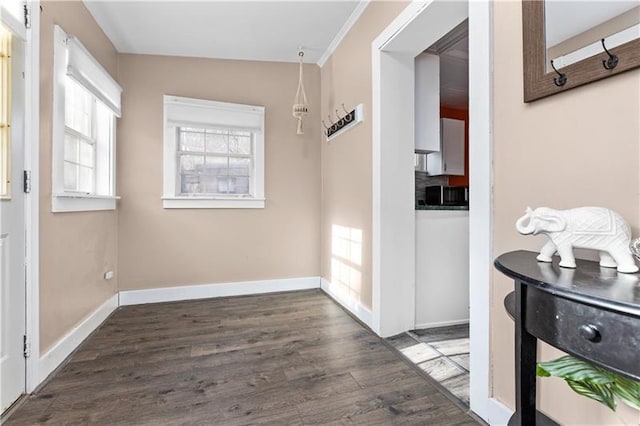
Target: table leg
525, 357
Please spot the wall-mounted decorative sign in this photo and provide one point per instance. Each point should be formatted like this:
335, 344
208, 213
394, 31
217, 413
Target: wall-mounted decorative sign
344, 123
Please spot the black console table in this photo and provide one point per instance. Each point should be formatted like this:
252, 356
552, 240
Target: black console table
590, 312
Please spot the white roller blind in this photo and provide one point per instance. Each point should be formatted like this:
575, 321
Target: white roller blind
184, 112
87, 71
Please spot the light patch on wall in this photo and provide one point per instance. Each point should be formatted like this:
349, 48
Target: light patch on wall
346, 260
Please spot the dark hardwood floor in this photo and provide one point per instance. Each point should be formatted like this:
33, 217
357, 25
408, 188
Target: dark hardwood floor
287, 358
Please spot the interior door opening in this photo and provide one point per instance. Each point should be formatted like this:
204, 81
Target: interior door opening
394, 51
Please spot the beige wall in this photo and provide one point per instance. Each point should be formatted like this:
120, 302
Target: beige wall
346, 160
168, 247
75, 248
573, 149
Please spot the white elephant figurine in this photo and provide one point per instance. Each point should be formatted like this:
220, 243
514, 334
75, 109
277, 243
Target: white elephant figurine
594, 228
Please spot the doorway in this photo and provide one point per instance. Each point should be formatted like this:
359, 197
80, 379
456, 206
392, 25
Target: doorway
394, 255
12, 216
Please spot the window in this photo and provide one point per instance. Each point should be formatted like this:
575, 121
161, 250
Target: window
5, 114
86, 104
213, 154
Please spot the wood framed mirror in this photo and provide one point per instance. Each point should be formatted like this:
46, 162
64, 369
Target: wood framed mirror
587, 41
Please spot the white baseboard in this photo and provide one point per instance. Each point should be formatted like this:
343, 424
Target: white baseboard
65, 346
207, 291
441, 324
352, 305
499, 414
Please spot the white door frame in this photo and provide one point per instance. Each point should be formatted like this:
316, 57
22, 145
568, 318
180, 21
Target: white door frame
417, 27
32, 204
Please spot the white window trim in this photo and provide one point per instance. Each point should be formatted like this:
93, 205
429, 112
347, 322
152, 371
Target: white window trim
171, 200
61, 200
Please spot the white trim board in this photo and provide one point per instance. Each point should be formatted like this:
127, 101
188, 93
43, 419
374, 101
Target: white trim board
498, 413
55, 356
441, 324
32, 200
207, 291
353, 18
350, 304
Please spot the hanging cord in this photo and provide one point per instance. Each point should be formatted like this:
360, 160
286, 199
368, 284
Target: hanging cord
300, 108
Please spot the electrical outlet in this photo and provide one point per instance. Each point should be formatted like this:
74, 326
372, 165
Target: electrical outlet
108, 275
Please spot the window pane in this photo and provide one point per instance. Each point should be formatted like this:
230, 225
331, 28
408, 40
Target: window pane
216, 143
70, 176
241, 185
86, 180
239, 167
216, 166
239, 145
191, 141
223, 185
86, 154
78, 104
189, 183
70, 148
209, 184
104, 121
191, 163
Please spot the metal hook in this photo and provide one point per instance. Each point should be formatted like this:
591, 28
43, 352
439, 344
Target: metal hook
330, 120
348, 117
325, 126
561, 80
341, 121
610, 63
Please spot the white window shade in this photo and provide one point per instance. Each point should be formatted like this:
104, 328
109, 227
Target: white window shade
183, 112
87, 71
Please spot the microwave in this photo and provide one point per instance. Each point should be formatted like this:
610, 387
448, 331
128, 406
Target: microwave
447, 195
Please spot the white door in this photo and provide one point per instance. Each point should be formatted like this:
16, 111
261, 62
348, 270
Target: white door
12, 220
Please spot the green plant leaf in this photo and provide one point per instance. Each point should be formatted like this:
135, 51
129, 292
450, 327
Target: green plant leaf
541, 372
627, 391
593, 382
575, 370
597, 392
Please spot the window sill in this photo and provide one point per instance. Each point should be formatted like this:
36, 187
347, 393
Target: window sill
212, 203
82, 203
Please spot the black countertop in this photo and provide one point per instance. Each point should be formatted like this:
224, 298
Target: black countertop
424, 207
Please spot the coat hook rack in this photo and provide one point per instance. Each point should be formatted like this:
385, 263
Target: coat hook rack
610, 63
561, 80
348, 120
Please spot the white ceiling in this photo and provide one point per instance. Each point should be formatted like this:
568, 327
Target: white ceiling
453, 50
250, 30
454, 76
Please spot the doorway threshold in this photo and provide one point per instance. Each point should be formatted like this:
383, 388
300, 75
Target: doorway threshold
442, 353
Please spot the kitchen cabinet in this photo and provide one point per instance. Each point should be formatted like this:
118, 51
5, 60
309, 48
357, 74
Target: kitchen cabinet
442, 268
427, 103
449, 159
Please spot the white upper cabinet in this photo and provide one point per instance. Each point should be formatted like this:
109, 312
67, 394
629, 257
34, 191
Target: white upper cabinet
450, 158
427, 103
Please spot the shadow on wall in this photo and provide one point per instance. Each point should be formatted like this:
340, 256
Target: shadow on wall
346, 261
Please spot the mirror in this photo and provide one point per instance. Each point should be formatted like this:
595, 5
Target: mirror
567, 35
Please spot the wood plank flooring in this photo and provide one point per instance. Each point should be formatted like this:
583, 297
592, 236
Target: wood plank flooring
287, 358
